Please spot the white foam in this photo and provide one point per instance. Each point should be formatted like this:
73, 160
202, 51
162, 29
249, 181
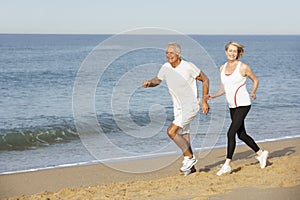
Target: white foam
103, 161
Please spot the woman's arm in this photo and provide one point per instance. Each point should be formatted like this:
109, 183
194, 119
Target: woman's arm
217, 94
247, 71
221, 90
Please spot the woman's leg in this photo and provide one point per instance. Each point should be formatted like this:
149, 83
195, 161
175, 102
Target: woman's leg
247, 139
262, 156
238, 116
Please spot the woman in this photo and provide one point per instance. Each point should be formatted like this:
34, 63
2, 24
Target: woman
233, 83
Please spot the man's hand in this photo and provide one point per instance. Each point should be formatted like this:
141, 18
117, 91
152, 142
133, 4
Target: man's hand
205, 107
146, 83
151, 83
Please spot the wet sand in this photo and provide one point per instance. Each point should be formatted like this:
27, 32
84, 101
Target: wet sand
279, 180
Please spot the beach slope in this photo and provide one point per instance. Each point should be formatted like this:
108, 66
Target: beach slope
279, 180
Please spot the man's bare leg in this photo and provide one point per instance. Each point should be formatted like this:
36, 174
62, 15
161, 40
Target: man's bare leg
179, 140
186, 136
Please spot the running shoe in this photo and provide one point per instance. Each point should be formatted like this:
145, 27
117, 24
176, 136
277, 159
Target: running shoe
190, 171
188, 163
263, 159
225, 169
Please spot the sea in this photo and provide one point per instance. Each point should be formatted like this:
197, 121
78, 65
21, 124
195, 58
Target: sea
69, 100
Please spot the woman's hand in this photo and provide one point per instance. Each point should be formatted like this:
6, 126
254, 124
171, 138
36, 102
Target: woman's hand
253, 95
208, 97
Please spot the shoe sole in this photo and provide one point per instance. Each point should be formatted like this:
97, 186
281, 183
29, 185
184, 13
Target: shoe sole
228, 172
224, 173
190, 171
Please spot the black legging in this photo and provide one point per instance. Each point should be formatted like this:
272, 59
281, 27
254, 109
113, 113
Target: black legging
237, 126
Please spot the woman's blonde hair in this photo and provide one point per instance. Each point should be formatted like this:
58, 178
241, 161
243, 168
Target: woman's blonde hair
240, 48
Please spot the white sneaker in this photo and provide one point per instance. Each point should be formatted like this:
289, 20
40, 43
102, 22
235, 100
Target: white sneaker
225, 169
190, 171
263, 159
188, 163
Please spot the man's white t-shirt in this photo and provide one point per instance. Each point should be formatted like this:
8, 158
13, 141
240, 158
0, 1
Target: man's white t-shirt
182, 84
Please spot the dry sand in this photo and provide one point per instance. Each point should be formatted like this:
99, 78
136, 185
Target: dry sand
279, 180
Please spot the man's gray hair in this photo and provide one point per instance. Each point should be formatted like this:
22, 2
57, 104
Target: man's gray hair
177, 47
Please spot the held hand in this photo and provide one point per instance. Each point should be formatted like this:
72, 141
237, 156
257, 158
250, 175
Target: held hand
208, 97
253, 95
146, 83
205, 107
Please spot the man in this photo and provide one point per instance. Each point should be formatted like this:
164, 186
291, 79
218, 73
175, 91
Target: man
181, 78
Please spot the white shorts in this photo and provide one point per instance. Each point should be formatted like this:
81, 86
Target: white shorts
183, 118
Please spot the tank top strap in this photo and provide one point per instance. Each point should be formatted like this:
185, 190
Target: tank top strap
239, 65
224, 67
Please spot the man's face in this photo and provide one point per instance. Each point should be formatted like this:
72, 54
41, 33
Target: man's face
172, 56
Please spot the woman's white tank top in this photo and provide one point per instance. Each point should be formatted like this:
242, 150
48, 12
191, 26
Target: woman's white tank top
235, 87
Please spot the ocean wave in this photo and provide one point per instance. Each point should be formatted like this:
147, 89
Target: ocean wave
40, 136
18, 139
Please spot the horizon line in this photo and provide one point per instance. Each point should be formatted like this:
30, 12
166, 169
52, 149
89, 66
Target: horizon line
213, 34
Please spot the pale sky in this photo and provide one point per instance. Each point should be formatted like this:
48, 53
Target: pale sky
115, 16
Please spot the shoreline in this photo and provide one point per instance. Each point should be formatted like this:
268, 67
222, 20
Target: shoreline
146, 156
282, 171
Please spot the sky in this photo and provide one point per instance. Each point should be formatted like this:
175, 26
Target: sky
116, 16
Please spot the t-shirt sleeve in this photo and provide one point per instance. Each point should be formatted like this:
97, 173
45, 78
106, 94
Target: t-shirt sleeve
195, 71
161, 73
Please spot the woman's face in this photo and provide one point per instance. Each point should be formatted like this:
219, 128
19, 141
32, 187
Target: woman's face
232, 52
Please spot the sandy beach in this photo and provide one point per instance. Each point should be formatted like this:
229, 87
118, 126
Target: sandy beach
279, 180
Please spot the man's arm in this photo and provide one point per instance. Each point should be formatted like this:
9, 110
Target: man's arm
205, 83
205, 89
151, 83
